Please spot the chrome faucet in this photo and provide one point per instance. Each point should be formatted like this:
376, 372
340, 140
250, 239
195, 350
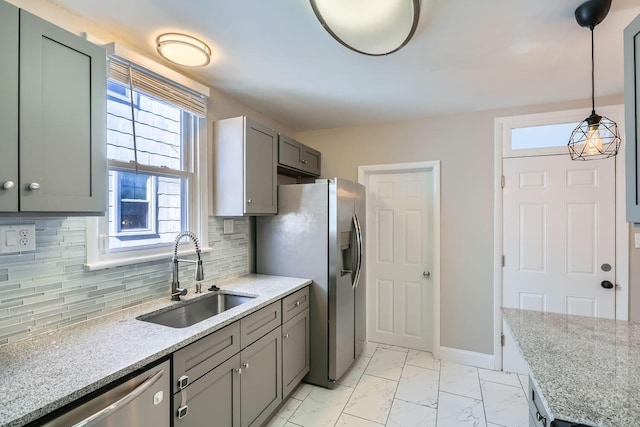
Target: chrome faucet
176, 291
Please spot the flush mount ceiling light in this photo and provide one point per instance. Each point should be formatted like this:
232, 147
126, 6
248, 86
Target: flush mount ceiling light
596, 137
370, 27
183, 49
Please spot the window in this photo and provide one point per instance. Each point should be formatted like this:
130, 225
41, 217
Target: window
155, 188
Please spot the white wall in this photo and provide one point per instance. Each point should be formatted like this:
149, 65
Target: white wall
465, 145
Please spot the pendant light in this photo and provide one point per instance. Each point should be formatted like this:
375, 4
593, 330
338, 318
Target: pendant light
596, 137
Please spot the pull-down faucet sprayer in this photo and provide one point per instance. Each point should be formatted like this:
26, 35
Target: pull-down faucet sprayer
176, 291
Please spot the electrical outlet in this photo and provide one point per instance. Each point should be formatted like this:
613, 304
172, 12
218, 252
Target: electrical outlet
17, 238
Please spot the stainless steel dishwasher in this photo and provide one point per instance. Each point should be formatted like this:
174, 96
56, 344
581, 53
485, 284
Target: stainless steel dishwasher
142, 401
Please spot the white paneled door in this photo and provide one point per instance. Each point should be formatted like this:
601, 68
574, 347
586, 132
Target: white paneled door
559, 235
400, 301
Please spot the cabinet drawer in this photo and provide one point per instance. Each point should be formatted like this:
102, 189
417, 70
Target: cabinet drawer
258, 324
198, 358
294, 304
538, 413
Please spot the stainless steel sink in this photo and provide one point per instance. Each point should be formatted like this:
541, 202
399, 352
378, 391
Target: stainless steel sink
192, 312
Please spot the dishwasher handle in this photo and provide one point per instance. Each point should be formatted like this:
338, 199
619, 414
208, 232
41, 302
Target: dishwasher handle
122, 402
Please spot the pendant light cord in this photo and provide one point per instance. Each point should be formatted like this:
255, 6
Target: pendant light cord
593, 76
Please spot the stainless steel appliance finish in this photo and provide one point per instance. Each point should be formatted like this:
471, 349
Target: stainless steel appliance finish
318, 233
142, 401
200, 309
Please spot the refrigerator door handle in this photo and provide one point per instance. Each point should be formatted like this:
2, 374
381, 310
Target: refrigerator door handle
358, 266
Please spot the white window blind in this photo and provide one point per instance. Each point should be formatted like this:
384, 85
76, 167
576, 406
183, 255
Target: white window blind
151, 84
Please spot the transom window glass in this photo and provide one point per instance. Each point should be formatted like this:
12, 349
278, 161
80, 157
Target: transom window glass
556, 135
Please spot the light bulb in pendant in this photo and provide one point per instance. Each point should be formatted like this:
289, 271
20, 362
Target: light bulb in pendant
593, 144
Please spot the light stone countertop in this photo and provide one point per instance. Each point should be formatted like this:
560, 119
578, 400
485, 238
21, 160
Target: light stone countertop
41, 374
586, 369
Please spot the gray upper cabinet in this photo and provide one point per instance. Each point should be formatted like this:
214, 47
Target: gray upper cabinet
9, 42
244, 179
632, 119
61, 98
296, 159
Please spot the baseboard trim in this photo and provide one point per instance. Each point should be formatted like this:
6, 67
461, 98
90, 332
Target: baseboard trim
465, 357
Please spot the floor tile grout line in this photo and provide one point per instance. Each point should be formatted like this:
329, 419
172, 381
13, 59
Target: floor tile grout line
438, 398
496, 382
404, 364
484, 408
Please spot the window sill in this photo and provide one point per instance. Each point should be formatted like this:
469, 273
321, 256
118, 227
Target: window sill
130, 260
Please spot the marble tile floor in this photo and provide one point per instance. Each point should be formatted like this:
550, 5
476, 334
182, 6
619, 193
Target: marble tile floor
399, 387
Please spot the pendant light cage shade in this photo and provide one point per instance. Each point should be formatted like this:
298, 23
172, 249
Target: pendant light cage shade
594, 140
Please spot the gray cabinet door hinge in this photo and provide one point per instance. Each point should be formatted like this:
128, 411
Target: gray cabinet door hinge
502, 340
502, 181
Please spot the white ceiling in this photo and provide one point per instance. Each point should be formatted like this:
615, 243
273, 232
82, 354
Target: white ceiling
467, 55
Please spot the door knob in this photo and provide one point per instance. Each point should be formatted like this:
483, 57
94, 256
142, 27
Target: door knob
426, 274
606, 284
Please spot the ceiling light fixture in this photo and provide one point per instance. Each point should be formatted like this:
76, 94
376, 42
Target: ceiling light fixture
183, 49
370, 27
596, 137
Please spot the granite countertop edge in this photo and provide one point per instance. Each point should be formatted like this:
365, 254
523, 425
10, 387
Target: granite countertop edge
568, 337
73, 348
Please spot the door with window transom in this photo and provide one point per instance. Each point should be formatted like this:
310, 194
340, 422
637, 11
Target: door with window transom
559, 235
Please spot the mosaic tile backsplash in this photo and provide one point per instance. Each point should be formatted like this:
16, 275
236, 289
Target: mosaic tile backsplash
49, 288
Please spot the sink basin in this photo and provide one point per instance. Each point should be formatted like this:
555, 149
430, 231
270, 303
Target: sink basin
196, 311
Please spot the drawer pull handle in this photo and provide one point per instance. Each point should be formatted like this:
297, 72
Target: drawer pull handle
541, 418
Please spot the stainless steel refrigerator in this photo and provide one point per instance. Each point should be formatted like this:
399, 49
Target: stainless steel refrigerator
318, 233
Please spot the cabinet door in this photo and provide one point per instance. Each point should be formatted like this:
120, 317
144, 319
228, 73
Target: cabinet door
295, 351
8, 108
214, 399
62, 120
261, 379
311, 161
632, 119
289, 152
260, 187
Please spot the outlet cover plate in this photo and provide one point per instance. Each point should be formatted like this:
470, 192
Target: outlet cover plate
17, 238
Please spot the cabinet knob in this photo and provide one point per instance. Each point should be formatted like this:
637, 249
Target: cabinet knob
238, 370
249, 201
297, 303
285, 336
34, 186
245, 365
304, 162
8, 185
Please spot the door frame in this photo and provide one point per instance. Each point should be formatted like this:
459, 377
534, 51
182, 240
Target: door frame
502, 135
364, 172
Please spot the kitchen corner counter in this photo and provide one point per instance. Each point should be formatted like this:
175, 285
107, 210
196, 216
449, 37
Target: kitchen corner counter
586, 369
41, 374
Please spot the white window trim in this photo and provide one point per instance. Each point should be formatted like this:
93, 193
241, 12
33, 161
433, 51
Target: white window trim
98, 259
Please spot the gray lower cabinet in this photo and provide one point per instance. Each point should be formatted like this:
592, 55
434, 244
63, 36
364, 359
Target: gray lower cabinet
213, 399
295, 351
261, 379
53, 114
297, 159
244, 179
632, 118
